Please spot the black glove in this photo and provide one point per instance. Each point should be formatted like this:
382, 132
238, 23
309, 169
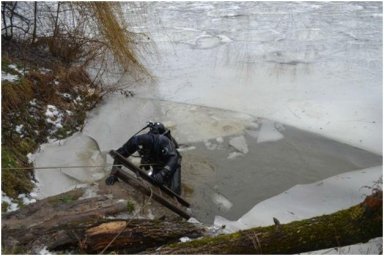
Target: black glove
158, 177
145, 167
111, 180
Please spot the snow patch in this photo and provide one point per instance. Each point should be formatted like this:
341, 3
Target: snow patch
54, 117
27, 199
45, 251
19, 128
185, 239
12, 206
9, 77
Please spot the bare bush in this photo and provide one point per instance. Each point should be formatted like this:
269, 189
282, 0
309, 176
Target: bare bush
77, 32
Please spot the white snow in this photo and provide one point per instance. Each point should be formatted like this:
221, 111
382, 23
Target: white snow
33, 102
19, 128
45, 251
12, 206
26, 199
9, 77
54, 116
185, 239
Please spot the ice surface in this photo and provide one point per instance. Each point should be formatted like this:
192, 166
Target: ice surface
372, 247
285, 63
80, 152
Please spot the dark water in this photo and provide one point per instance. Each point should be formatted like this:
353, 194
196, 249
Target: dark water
268, 169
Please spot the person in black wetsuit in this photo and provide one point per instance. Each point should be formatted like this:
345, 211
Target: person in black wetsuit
157, 149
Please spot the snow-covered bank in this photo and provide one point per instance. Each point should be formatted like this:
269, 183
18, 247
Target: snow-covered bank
306, 201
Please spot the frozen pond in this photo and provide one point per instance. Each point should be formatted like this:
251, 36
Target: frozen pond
266, 95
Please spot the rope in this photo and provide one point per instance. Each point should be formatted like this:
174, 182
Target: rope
65, 167
57, 167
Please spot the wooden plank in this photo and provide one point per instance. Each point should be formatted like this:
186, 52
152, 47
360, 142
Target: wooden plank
149, 192
146, 177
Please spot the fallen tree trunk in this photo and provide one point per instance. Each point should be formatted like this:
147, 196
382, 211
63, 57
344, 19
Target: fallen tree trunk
354, 225
64, 222
133, 236
81, 225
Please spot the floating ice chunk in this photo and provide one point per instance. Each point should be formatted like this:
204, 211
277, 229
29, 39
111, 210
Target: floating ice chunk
239, 143
221, 201
220, 139
210, 145
268, 132
80, 152
234, 155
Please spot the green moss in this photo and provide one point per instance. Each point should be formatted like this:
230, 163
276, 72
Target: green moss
130, 207
67, 197
14, 182
4, 206
7, 159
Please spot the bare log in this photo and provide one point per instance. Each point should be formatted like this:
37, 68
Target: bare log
354, 225
133, 236
65, 222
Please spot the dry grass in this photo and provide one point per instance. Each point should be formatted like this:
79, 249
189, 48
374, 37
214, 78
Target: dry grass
119, 41
16, 94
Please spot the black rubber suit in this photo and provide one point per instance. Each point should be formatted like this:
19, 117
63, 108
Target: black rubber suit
158, 151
